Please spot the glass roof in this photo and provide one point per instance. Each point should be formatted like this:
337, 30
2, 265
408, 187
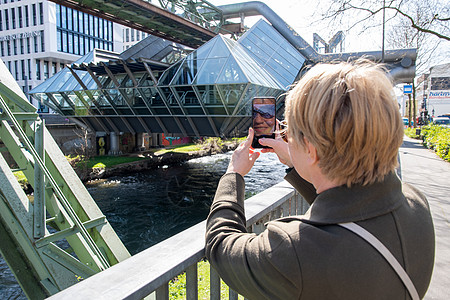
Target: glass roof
219, 61
272, 51
64, 81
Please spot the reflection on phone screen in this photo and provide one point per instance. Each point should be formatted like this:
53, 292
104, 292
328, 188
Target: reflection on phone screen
263, 118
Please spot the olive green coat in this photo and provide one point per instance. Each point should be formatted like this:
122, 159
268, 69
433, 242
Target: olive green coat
309, 257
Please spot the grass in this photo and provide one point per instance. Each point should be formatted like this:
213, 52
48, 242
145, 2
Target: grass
108, 161
180, 149
177, 286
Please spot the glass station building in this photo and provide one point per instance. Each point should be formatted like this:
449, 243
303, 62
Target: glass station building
158, 86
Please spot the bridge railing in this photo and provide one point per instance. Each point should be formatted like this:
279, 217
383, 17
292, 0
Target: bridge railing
148, 273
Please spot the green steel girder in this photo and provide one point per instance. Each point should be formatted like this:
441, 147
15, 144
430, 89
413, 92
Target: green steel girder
41, 267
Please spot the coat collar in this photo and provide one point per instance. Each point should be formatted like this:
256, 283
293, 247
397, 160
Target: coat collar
342, 204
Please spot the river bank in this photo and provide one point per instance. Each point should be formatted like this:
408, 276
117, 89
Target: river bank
151, 160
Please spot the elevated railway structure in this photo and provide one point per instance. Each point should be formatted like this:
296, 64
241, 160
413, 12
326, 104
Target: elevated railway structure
197, 21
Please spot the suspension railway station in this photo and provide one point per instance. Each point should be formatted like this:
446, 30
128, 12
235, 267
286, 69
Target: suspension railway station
193, 76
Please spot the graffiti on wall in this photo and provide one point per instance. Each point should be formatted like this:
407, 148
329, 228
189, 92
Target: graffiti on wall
172, 140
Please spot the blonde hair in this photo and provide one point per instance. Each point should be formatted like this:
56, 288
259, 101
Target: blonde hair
349, 113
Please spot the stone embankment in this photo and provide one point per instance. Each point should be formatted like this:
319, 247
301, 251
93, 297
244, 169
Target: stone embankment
153, 161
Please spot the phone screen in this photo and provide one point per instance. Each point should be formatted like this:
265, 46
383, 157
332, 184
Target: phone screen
263, 119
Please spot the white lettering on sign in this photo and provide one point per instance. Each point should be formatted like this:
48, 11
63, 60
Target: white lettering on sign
441, 95
20, 35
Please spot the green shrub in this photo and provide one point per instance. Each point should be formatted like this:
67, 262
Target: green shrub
437, 138
411, 132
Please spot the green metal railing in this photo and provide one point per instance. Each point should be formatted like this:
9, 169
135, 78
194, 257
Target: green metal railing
58, 235
149, 272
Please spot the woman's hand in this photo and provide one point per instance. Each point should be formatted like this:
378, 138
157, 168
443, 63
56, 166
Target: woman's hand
243, 157
279, 146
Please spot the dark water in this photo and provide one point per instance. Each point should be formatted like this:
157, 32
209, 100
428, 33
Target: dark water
148, 207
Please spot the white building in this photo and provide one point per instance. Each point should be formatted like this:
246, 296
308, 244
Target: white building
438, 92
38, 37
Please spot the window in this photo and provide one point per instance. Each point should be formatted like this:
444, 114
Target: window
63, 17
6, 20
27, 17
70, 19
15, 46
64, 41
28, 45
100, 28
19, 11
1, 21
58, 39
58, 15
16, 70
82, 51
22, 66
45, 69
138, 35
38, 69
95, 26
70, 40
53, 68
2, 49
13, 18
75, 20
9, 67
42, 41
127, 35
29, 68
33, 8
86, 23
132, 34
21, 46
41, 13
36, 50
8, 47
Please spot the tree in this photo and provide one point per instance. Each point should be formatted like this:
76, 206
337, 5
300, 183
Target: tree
434, 16
421, 24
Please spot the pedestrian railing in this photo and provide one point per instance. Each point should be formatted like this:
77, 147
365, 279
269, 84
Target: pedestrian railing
148, 273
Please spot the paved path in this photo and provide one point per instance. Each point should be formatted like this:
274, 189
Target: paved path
431, 175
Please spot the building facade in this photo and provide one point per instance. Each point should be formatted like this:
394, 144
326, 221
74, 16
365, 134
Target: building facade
38, 38
433, 91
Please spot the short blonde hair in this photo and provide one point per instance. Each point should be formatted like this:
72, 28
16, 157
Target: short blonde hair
349, 113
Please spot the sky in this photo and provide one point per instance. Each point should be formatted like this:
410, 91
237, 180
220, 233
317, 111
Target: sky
299, 14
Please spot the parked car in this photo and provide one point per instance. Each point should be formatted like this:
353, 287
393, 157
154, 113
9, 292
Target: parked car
443, 121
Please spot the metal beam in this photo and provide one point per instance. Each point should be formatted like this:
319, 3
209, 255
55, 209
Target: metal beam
177, 98
199, 99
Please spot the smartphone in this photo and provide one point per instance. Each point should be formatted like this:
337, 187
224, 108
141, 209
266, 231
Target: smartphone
263, 119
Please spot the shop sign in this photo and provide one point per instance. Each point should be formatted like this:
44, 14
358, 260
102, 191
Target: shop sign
439, 95
20, 35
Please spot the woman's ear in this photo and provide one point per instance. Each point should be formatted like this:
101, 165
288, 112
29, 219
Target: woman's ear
311, 152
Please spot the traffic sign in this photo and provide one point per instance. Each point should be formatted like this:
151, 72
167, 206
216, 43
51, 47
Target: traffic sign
407, 89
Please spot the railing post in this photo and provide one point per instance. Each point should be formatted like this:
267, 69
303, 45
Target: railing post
191, 282
162, 293
214, 285
233, 295
285, 208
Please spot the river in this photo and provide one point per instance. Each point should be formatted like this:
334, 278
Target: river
148, 207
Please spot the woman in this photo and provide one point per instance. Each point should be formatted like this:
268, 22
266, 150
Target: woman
344, 132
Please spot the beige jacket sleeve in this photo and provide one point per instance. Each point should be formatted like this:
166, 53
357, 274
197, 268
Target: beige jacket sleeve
258, 267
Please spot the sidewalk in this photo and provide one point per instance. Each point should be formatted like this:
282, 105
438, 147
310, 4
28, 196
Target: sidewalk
431, 175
